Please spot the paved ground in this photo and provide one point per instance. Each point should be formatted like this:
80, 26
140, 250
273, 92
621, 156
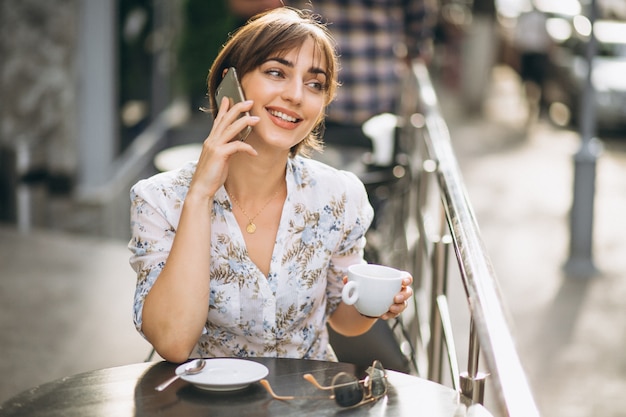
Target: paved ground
570, 332
65, 308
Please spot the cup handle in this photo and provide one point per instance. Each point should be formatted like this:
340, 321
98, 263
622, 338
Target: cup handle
349, 293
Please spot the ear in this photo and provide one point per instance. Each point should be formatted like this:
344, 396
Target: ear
224, 72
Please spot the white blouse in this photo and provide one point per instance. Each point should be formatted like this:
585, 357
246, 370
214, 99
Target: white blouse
321, 232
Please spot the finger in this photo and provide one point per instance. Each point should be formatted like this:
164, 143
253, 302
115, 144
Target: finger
223, 107
408, 291
243, 122
242, 106
215, 155
231, 113
233, 133
389, 315
244, 147
223, 131
405, 294
234, 124
227, 115
395, 310
235, 146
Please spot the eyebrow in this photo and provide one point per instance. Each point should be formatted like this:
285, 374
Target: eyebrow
312, 70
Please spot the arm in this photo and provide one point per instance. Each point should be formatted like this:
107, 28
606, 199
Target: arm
345, 319
175, 307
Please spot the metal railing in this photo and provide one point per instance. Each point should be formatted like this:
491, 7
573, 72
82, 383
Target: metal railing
110, 201
444, 220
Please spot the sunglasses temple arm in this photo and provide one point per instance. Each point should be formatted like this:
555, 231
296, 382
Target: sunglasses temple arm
269, 389
317, 385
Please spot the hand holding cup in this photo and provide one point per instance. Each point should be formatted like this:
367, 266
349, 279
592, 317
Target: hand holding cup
375, 290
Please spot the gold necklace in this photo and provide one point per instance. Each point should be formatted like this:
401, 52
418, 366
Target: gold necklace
251, 227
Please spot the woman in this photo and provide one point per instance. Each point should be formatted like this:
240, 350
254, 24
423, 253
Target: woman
255, 233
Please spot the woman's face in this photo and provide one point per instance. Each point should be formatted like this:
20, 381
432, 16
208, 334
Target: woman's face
289, 95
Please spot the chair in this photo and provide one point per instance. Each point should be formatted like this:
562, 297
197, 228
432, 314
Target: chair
389, 190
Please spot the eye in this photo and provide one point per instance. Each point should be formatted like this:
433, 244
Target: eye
274, 72
316, 85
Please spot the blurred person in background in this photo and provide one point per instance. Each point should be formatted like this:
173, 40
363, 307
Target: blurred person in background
532, 42
376, 40
479, 54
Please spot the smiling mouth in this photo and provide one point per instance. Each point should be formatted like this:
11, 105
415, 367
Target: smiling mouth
283, 116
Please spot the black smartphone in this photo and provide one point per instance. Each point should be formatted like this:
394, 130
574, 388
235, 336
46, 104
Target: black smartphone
231, 88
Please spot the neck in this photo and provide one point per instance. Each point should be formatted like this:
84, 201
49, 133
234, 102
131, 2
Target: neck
248, 179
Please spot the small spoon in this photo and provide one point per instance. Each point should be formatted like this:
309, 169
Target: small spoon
191, 368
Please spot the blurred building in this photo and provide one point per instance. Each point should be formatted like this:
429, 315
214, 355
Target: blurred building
88, 90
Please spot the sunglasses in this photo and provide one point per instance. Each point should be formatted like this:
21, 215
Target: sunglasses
347, 390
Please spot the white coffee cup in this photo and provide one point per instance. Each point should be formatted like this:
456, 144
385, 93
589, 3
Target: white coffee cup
371, 288
381, 130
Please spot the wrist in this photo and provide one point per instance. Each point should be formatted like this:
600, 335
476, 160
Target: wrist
365, 315
201, 201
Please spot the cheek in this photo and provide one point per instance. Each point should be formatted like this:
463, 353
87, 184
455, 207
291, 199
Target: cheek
317, 109
320, 116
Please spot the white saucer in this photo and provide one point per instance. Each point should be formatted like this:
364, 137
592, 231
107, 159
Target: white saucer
225, 374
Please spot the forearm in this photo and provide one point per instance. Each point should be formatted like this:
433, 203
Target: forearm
175, 309
347, 321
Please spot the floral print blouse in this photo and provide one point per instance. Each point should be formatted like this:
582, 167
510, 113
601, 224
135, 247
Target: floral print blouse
321, 232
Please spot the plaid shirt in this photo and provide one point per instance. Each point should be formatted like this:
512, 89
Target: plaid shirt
373, 36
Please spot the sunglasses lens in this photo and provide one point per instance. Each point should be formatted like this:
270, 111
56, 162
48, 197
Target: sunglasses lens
378, 382
347, 390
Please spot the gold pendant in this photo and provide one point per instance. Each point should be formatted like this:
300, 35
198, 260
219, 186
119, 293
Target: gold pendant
251, 228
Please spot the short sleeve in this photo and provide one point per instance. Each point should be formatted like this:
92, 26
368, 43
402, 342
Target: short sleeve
358, 216
154, 213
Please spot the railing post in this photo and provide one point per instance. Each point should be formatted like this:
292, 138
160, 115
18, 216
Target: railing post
473, 381
439, 287
489, 321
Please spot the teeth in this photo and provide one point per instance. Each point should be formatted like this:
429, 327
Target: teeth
283, 116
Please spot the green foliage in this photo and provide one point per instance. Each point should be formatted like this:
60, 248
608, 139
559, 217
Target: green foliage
206, 26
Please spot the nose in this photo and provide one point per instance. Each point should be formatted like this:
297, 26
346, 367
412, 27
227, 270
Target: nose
293, 91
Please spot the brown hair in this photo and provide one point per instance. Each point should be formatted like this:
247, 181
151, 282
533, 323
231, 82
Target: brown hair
270, 33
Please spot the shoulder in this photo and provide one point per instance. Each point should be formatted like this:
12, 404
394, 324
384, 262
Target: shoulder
319, 183
310, 172
169, 184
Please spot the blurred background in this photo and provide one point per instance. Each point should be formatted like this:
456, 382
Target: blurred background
92, 90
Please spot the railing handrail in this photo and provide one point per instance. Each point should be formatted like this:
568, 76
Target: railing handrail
137, 156
479, 279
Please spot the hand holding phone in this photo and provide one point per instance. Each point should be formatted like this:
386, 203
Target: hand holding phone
231, 88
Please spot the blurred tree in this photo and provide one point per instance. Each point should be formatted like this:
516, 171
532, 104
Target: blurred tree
206, 25
135, 19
